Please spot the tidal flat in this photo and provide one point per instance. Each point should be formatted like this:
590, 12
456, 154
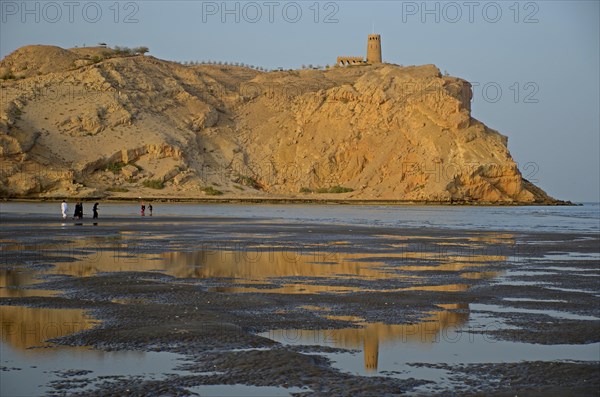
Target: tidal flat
236, 305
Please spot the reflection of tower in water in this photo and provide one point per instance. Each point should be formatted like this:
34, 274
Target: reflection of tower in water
371, 351
431, 330
265, 266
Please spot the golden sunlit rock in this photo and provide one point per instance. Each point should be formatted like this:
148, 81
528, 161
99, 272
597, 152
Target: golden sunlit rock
90, 124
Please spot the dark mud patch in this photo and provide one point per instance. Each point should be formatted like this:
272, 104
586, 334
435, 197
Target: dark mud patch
536, 378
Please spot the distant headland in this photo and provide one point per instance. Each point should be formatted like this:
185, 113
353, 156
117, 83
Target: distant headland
118, 124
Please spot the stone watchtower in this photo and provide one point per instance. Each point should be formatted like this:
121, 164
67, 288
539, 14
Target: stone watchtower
373, 54
374, 49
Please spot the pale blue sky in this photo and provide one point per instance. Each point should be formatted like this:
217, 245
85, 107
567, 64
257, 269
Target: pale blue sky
544, 56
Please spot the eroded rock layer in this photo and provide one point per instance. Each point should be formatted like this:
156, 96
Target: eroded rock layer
76, 124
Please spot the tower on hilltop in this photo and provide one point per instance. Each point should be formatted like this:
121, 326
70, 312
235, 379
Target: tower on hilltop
374, 49
373, 54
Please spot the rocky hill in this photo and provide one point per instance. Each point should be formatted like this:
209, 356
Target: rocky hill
81, 123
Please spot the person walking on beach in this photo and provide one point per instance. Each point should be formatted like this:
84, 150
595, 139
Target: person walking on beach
143, 210
95, 209
64, 207
78, 214
150, 209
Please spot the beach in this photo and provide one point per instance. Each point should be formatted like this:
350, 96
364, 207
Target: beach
300, 300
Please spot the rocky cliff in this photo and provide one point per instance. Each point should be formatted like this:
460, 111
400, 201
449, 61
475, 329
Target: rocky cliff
80, 123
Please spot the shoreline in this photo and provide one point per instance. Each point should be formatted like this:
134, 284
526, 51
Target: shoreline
274, 200
582, 218
134, 220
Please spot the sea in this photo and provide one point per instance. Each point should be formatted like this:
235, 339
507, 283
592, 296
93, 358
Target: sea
581, 218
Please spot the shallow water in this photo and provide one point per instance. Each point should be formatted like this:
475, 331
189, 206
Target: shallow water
266, 271
443, 337
31, 372
552, 313
29, 362
30, 327
245, 391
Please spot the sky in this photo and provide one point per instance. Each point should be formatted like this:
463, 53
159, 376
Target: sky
534, 65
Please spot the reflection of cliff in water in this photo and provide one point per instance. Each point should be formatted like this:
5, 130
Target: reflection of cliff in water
262, 265
12, 283
273, 271
25, 327
368, 338
257, 262
250, 267
289, 271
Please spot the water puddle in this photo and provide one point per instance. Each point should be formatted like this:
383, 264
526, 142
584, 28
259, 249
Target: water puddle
16, 283
573, 269
368, 337
570, 256
29, 363
31, 373
581, 291
12, 292
444, 337
302, 288
528, 273
534, 300
245, 391
252, 271
514, 278
27, 327
315, 308
491, 238
481, 275
519, 283
552, 313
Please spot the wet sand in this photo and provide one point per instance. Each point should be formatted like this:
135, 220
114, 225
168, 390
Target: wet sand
263, 303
